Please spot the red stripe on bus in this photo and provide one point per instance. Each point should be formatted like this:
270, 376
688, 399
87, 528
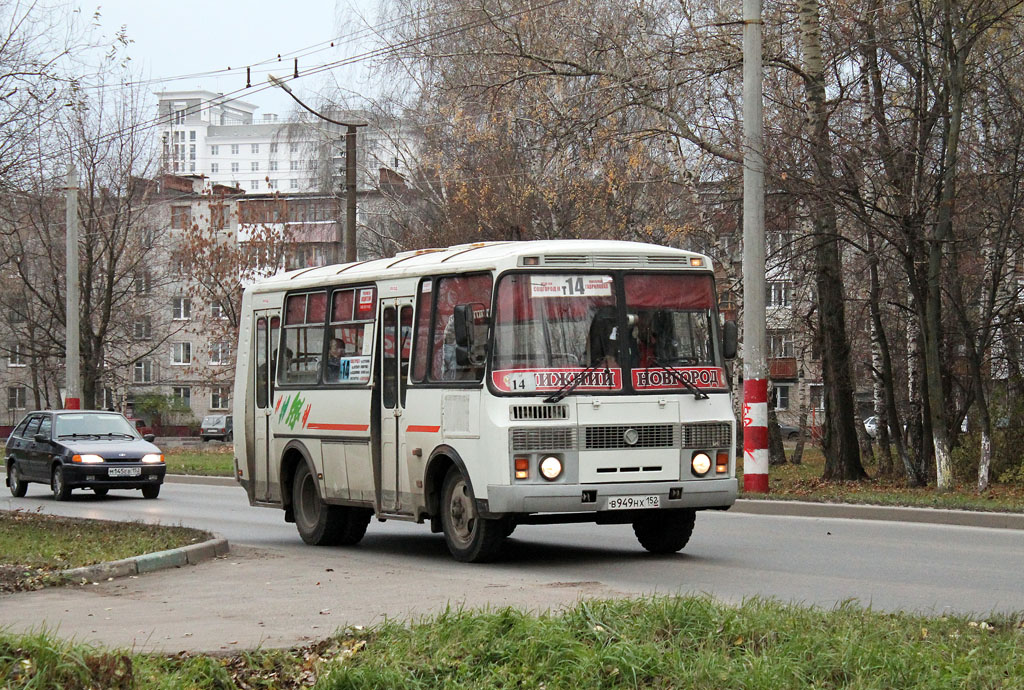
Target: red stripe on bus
420, 427
339, 427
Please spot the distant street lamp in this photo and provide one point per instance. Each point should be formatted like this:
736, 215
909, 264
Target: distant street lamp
348, 237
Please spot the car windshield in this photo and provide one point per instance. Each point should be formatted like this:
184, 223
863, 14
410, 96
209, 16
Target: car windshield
213, 420
93, 424
557, 325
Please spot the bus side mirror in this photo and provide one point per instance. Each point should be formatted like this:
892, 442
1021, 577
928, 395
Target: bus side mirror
463, 333
729, 339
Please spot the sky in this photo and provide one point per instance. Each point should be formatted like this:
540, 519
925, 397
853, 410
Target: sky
189, 37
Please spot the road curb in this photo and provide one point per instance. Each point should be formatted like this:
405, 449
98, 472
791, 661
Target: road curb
150, 562
200, 479
930, 516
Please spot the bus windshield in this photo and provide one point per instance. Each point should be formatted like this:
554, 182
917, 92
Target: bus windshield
555, 325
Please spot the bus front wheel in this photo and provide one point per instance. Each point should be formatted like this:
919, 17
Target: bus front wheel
470, 538
320, 524
665, 531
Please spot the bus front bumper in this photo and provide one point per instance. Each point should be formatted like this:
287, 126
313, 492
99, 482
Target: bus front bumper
581, 498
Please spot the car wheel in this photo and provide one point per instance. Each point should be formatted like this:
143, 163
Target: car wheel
793, 435
151, 491
58, 484
665, 531
17, 485
470, 538
100, 490
320, 524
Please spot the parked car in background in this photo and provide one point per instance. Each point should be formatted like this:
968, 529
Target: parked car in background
871, 426
79, 449
789, 432
141, 426
219, 426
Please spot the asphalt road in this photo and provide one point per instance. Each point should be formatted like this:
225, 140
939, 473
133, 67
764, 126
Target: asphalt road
275, 591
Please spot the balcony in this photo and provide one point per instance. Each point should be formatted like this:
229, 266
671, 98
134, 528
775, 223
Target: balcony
782, 368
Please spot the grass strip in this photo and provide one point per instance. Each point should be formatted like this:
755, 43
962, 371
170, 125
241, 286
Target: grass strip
218, 462
34, 547
665, 642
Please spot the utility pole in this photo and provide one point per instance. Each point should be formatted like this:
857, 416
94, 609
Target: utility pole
345, 237
755, 367
72, 392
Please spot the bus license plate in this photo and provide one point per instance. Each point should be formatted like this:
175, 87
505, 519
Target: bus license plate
124, 471
632, 502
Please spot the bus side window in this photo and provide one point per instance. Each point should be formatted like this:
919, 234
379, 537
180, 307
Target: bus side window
453, 291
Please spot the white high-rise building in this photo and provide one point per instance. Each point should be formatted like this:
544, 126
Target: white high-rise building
205, 133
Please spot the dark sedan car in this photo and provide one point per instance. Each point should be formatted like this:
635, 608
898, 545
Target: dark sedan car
73, 449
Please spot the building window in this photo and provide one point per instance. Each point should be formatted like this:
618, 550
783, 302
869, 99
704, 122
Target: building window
255, 165
18, 311
255, 148
143, 328
294, 165
273, 166
234, 167
254, 184
181, 308
183, 395
220, 353
817, 395
191, 135
220, 398
191, 152
181, 353
218, 216
192, 167
781, 396
143, 283
234, 149
181, 217
217, 311
17, 357
293, 183
179, 117
271, 184
273, 148
294, 148
214, 150
214, 168
779, 293
16, 396
780, 344
142, 372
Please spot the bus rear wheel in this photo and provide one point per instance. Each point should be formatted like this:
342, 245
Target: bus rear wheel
470, 538
665, 531
321, 524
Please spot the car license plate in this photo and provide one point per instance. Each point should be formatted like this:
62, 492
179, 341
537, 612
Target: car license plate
632, 502
124, 471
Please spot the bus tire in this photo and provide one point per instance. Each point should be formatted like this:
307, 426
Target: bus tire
470, 538
665, 531
320, 524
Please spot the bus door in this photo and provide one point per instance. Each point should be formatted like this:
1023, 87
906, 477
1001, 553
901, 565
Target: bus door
395, 342
267, 328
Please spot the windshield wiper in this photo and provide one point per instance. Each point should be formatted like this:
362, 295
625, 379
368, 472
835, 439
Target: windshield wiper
576, 380
119, 434
77, 435
698, 394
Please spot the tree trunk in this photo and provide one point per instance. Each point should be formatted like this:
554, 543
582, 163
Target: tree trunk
776, 451
842, 453
881, 368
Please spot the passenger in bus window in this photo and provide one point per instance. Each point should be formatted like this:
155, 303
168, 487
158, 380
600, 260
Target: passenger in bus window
334, 354
604, 338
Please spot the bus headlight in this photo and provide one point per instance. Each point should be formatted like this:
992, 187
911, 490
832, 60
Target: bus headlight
700, 463
550, 468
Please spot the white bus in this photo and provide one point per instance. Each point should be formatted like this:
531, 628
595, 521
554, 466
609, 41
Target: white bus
488, 385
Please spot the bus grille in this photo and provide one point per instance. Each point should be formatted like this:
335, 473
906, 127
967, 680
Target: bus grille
612, 437
539, 412
707, 435
562, 438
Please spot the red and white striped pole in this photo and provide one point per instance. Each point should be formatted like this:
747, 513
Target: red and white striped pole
755, 366
72, 353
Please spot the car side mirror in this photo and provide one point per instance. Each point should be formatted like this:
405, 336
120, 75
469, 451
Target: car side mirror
730, 336
149, 437
39, 438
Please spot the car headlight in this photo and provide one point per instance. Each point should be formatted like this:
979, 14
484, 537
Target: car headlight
153, 458
700, 463
550, 468
87, 459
